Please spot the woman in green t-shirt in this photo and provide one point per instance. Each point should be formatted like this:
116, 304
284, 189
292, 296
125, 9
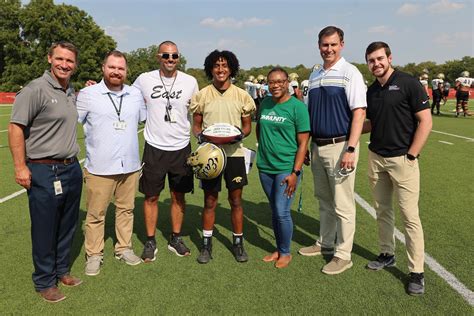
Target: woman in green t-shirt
283, 133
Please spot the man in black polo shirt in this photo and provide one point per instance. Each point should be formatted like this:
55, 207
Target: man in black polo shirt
42, 138
400, 122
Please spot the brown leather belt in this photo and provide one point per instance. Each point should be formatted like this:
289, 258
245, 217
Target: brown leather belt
327, 141
48, 161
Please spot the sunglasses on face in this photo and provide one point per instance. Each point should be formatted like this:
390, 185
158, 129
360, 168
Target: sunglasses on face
168, 55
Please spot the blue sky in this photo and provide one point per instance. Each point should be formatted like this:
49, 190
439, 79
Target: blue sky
264, 32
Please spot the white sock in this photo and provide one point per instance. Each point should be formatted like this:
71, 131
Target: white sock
207, 233
237, 235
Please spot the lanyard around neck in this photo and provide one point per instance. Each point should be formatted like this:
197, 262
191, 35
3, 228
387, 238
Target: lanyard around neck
119, 110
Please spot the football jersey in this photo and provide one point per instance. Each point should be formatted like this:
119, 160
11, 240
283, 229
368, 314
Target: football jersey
465, 81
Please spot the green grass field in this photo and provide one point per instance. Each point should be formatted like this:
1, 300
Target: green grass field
173, 285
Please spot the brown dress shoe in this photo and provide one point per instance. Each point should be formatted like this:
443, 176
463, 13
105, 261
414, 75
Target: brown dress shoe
283, 262
69, 280
52, 295
271, 257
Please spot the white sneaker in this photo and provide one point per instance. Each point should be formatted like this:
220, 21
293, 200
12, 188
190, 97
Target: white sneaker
93, 264
129, 257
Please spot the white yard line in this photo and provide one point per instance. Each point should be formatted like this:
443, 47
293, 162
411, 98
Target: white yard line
450, 278
434, 265
453, 135
3, 131
447, 143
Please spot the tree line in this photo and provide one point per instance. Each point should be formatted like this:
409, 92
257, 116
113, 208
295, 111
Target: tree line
27, 31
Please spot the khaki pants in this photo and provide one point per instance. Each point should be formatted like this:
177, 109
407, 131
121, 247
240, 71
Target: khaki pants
400, 176
100, 190
336, 198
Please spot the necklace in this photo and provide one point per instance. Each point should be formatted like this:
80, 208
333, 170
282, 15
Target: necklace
168, 102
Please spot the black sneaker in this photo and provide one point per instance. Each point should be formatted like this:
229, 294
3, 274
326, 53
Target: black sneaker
238, 249
177, 246
416, 283
383, 260
206, 251
149, 251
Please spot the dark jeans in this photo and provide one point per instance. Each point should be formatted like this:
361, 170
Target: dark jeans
53, 219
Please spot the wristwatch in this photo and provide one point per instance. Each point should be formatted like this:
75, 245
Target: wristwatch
411, 157
297, 172
350, 149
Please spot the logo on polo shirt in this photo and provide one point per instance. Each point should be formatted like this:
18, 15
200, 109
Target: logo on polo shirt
393, 88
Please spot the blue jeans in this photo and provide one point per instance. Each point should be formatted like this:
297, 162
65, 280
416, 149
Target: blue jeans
53, 219
281, 209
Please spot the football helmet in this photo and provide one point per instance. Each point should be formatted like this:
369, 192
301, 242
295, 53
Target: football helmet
293, 76
251, 78
260, 77
424, 76
465, 74
440, 76
208, 161
426, 71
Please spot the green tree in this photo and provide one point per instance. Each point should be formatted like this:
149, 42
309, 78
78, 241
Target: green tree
9, 26
42, 23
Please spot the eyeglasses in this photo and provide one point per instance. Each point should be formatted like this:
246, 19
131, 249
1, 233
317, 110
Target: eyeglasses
277, 82
168, 55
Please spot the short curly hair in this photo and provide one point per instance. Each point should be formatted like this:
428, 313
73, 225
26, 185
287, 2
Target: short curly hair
214, 56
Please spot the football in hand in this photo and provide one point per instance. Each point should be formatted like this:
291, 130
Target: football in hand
222, 133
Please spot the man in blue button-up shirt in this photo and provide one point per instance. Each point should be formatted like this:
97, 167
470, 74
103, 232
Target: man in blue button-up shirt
110, 112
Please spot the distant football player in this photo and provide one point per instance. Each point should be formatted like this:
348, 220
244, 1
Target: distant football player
463, 85
437, 89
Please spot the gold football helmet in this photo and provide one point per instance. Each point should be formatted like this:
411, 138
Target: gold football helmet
465, 73
440, 76
424, 76
251, 78
208, 161
293, 76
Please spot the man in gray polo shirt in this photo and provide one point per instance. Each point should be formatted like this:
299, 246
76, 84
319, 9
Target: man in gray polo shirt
42, 138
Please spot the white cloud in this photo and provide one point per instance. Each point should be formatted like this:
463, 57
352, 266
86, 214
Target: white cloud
408, 9
122, 32
452, 39
233, 23
444, 6
383, 29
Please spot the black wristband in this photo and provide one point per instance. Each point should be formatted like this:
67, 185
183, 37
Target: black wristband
350, 149
411, 157
297, 172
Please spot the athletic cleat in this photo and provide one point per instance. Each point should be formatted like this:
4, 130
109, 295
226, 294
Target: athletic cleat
383, 260
206, 251
149, 251
177, 246
416, 283
238, 249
